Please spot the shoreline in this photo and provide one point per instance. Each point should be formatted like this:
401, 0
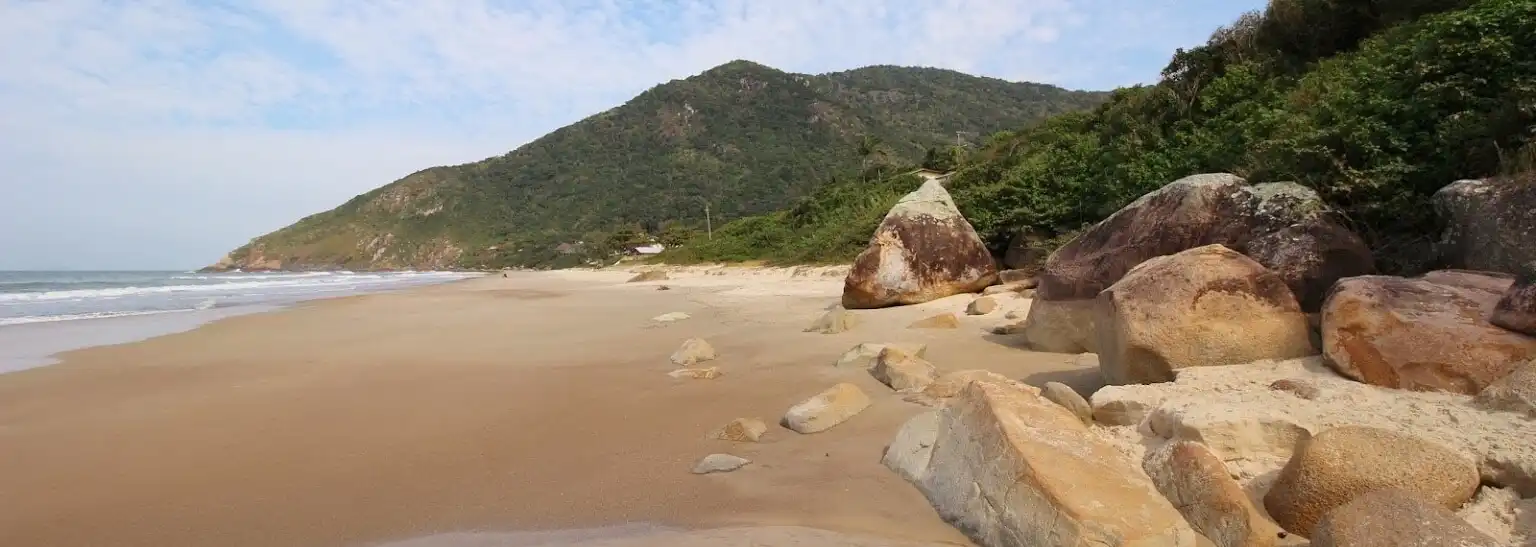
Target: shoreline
539, 401
45, 343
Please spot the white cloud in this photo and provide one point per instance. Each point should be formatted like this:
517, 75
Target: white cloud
163, 132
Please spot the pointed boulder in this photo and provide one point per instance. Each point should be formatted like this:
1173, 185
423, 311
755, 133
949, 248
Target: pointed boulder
923, 250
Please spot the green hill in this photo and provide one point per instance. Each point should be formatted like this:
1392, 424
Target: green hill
1376, 105
743, 137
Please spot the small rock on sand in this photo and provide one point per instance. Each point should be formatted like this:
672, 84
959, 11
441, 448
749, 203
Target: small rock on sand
940, 321
825, 410
903, 372
741, 430
863, 355
834, 321
692, 352
719, 463
696, 373
982, 306
670, 317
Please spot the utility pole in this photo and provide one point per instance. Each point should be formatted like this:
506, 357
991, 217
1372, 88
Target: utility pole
709, 225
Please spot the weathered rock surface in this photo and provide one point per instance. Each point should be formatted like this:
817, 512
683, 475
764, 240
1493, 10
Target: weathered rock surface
950, 385
923, 250
981, 306
940, 321
692, 352
1197, 483
1392, 517
1429, 333
1490, 224
709, 373
863, 355
719, 463
1061, 326
1516, 310
1299, 387
1024, 277
825, 410
1008, 288
1340, 464
1284, 227
1069, 399
1206, 306
909, 452
903, 372
1010, 468
834, 321
1515, 392
651, 275
741, 430
1272, 435
1222, 399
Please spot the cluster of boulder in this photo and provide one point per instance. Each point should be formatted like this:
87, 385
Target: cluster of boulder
1266, 387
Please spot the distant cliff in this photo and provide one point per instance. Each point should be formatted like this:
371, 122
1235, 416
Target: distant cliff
744, 137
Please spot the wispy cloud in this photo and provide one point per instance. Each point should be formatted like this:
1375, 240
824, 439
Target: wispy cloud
162, 132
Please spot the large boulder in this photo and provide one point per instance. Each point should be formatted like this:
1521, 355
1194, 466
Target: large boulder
825, 410
1427, 334
1516, 311
1285, 227
1206, 306
1490, 224
1010, 468
923, 250
1340, 464
1198, 484
1391, 517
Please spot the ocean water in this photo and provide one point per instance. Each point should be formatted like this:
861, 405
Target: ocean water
57, 311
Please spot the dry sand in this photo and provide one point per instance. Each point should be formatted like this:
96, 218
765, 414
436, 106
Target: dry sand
535, 402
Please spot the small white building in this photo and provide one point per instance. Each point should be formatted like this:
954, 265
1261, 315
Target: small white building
651, 249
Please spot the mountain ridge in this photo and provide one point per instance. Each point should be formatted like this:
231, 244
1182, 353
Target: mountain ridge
744, 137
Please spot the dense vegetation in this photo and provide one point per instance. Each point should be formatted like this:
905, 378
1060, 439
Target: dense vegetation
1376, 104
741, 139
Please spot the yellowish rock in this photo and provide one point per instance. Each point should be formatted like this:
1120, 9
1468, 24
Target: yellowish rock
825, 410
741, 430
940, 321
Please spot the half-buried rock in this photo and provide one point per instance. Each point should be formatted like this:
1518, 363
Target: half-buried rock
708, 373
1516, 311
981, 306
940, 321
692, 352
719, 463
1425, 334
1010, 468
834, 321
923, 250
903, 372
1285, 227
1343, 463
863, 355
1392, 517
1198, 484
826, 409
741, 430
1207, 306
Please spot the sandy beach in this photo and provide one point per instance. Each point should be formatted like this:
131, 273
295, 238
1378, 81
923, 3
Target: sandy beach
453, 414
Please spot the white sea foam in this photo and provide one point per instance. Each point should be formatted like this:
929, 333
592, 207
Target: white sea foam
4, 321
246, 282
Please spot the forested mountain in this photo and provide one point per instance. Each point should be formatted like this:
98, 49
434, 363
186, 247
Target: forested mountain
743, 137
1375, 104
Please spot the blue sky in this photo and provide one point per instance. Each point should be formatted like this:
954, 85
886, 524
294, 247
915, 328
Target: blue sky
159, 134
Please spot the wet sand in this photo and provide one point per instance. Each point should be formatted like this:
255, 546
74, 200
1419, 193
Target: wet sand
535, 402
